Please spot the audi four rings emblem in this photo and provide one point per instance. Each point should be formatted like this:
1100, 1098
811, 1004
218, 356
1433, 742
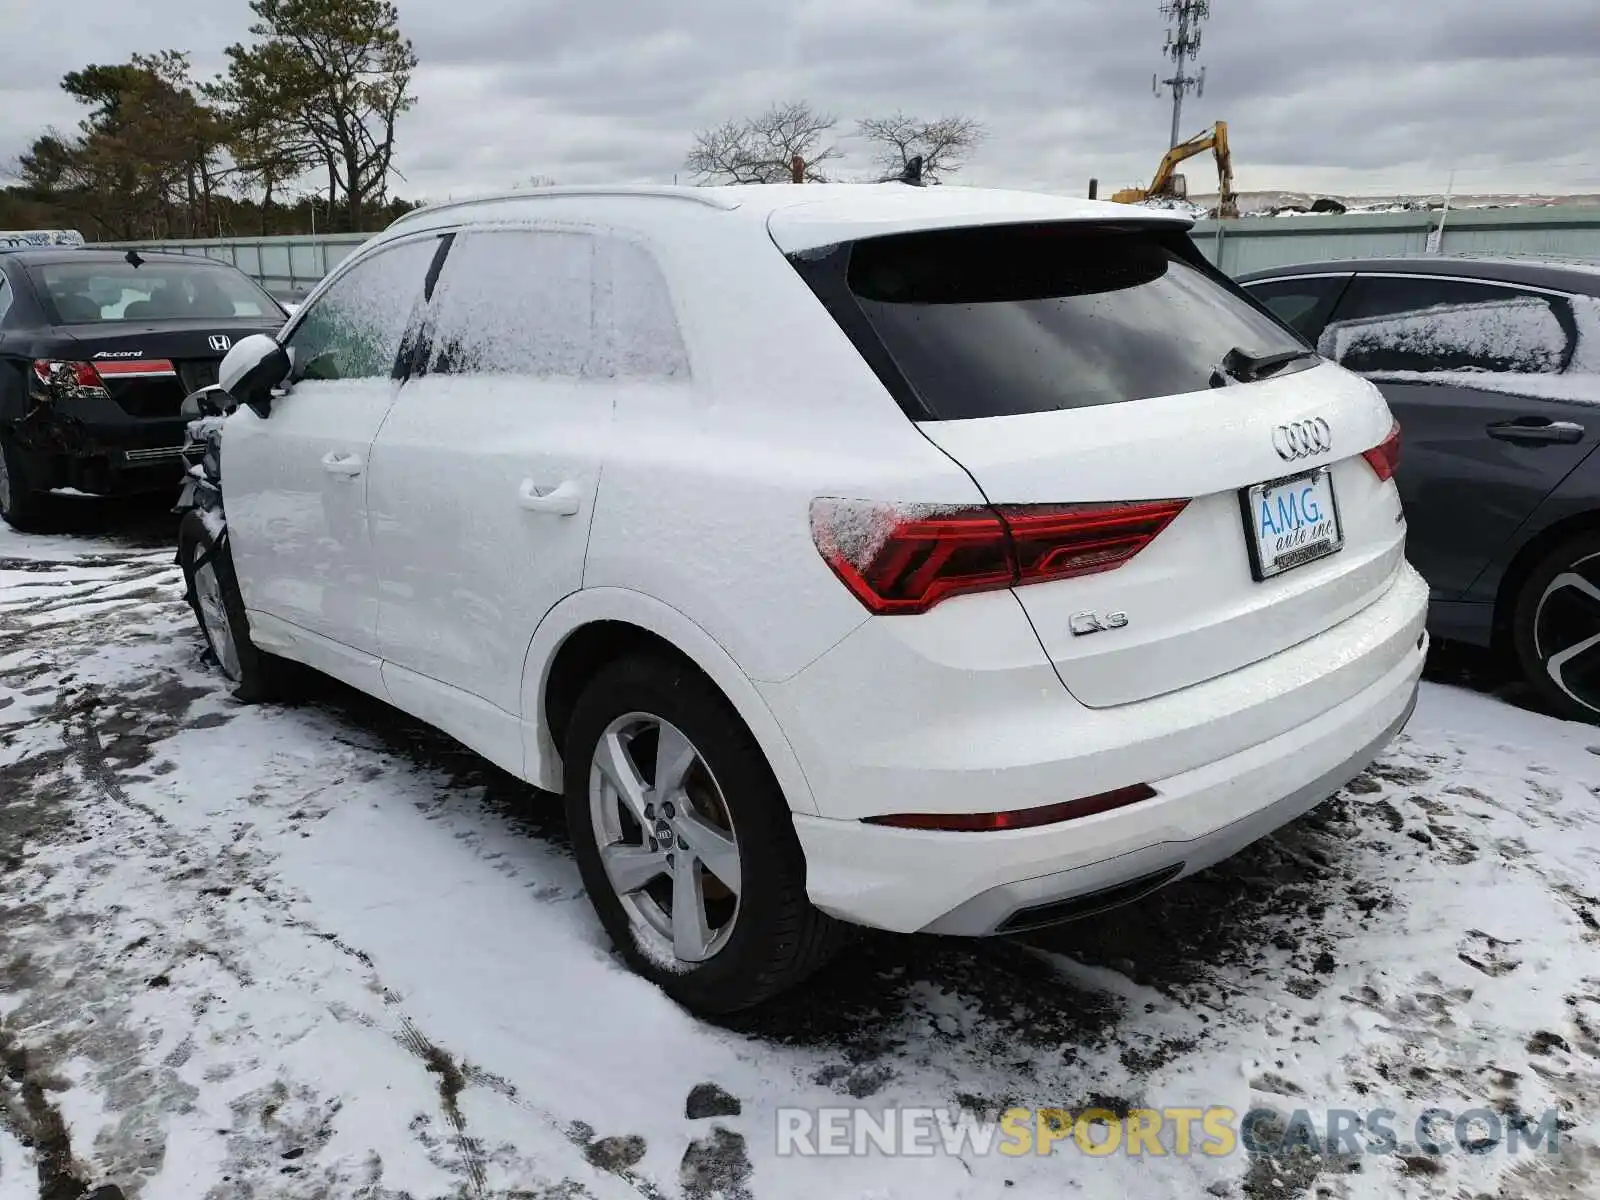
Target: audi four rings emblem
220, 341
1302, 439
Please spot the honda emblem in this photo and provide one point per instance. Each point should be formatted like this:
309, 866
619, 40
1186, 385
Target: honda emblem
220, 341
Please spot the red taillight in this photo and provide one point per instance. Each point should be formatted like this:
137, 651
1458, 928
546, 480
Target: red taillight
906, 560
1384, 458
1022, 818
899, 559
1063, 541
69, 378
63, 378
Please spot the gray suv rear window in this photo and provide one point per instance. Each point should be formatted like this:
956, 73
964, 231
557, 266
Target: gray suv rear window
1026, 319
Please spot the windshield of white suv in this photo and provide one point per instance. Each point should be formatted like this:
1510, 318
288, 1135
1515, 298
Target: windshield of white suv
1025, 319
89, 292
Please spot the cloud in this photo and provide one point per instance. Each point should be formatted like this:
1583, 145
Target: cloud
1367, 95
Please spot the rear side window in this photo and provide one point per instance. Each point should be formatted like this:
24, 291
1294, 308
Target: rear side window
1026, 319
353, 330
5, 297
1302, 304
553, 304
1393, 324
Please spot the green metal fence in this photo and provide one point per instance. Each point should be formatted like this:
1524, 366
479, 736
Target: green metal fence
1254, 243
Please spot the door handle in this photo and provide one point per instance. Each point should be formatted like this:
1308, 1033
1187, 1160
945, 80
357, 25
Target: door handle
347, 465
563, 501
1536, 430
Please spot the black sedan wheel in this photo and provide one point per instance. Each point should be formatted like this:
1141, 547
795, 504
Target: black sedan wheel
21, 504
1556, 629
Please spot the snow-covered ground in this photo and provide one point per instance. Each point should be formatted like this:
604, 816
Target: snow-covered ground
320, 952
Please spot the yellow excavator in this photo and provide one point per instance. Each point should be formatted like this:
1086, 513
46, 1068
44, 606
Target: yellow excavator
1168, 184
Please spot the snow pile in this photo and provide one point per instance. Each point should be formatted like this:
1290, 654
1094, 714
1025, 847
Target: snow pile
1284, 203
1171, 204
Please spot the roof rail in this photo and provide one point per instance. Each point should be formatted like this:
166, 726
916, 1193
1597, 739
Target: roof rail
695, 195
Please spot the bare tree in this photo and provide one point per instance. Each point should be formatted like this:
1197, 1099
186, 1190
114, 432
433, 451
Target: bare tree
944, 144
761, 149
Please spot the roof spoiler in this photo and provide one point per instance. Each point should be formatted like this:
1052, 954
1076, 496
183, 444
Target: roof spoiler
27, 239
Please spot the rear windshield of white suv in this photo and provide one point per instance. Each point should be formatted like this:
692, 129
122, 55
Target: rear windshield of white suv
1027, 319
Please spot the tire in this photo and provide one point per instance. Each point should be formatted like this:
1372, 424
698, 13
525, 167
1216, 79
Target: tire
23, 505
1556, 614
212, 590
764, 938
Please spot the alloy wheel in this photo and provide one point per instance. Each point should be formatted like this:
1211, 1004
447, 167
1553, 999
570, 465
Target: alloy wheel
1566, 632
666, 839
214, 615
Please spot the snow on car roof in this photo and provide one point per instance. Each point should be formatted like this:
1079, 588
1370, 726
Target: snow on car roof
808, 215
850, 211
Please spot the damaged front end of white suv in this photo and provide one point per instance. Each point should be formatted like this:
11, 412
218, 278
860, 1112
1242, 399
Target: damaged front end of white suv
201, 493
208, 409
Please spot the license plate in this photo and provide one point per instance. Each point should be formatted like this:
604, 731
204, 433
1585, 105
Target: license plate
1290, 522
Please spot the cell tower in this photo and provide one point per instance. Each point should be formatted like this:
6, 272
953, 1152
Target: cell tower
1183, 47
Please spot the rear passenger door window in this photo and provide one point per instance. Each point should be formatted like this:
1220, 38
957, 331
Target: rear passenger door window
1302, 304
1406, 327
552, 304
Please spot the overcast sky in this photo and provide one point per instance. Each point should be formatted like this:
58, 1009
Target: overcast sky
1362, 96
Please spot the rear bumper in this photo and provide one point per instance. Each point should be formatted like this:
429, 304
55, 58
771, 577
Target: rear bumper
1205, 809
93, 445
1082, 891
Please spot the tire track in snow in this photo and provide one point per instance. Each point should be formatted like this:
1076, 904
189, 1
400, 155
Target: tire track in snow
38, 1124
451, 1085
84, 737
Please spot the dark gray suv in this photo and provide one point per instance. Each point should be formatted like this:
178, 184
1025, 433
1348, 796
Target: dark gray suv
1492, 367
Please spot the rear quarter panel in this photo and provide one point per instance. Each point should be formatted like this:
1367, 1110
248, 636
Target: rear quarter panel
704, 499
1572, 507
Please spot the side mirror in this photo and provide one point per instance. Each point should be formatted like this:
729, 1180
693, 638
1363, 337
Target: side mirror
209, 401
250, 371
